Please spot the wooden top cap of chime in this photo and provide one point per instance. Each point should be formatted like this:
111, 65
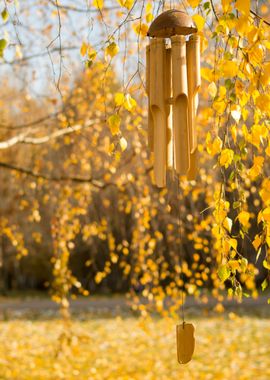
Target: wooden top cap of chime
170, 23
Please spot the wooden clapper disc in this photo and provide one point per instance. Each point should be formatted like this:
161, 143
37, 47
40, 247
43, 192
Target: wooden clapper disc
185, 342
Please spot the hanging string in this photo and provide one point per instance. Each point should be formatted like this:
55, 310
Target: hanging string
181, 250
176, 210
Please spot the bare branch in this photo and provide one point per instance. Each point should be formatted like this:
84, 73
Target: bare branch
83, 10
38, 55
259, 17
33, 174
31, 123
214, 10
23, 137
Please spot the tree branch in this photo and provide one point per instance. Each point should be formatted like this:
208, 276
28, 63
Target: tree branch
214, 10
22, 138
29, 172
259, 17
95, 182
82, 10
38, 55
31, 123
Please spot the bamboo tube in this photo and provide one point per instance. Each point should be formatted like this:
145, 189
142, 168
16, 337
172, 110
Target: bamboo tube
194, 83
150, 129
157, 105
168, 97
193, 169
180, 105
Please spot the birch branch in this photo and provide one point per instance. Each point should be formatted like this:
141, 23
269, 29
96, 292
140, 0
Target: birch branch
23, 138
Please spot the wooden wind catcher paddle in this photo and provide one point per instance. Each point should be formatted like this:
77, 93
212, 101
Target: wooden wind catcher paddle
172, 84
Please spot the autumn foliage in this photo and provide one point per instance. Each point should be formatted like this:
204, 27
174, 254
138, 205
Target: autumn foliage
76, 176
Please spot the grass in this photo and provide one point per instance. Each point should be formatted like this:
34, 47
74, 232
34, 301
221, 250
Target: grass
127, 348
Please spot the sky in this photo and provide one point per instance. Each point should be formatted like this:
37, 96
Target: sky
32, 59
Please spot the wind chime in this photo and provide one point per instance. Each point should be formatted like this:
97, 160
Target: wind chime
172, 84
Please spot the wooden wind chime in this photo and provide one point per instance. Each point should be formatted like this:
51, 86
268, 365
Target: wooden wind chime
172, 84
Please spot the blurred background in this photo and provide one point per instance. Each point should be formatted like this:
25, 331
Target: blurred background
84, 231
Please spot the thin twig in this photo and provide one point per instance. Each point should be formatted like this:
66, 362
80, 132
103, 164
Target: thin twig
214, 10
259, 17
33, 174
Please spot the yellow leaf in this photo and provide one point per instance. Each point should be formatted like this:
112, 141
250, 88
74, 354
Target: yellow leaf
234, 264
212, 89
267, 150
99, 277
149, 17
219, 105
226, 157
256, 169
91, 53
119, 99
265, 77
233, 243
123, 144
126, 100
199, 21
83, 49
114, 124
194, 3
229, 69
226, 5
266, 214
98, 4
243, 6
236, 112
234, 133
256, 55
258, 133
257, 242
207, 74
148, 7
263, 102
112, 49
126, 3
111, 148
213, 147
141, 29
243, 218
265, 191
129, 103
253, 34
227, 224
149, 14
224, 272
5, 15
266, 264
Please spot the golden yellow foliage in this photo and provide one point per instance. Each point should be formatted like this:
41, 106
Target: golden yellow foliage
98, 4
194, 3
100, 348
226, 157
112, 49
199, 21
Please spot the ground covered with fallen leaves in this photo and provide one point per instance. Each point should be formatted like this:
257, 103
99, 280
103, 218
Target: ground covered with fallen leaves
125, 347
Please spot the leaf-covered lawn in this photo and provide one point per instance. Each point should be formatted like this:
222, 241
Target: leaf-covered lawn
129, 348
